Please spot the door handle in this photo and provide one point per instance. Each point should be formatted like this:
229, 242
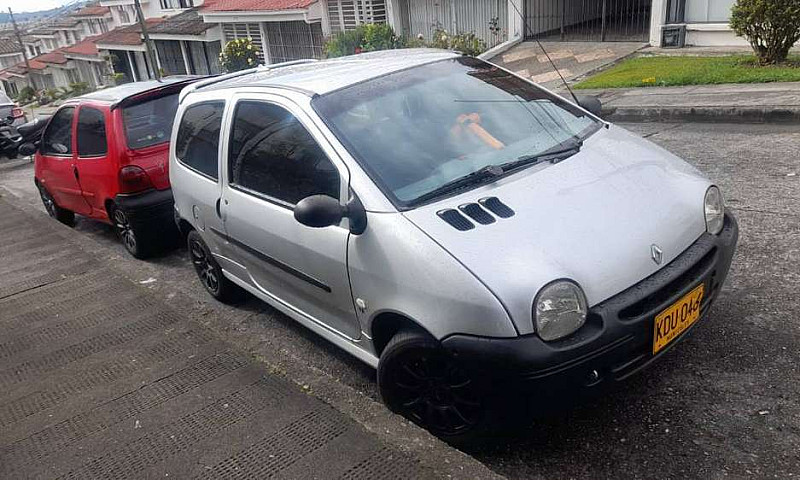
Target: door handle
218, 208
75, 172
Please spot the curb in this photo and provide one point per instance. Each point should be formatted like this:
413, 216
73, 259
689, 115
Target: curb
777, 115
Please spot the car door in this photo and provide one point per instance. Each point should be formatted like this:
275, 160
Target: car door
274, 160
59, 173
96, 175
196, 172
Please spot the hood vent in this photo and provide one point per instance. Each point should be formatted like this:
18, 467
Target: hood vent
478, 213
494, 205
458, 221
475, 212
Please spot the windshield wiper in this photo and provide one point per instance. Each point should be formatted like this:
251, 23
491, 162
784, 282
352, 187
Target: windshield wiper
554, 154
478, 176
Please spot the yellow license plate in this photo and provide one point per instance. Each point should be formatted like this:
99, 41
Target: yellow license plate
677, 318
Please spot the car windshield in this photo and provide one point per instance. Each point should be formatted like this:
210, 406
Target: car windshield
150, 122
418, 129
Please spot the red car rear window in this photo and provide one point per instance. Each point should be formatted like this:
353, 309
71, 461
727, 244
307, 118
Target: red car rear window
150, 122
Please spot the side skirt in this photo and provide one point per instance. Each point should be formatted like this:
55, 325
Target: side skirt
349, 345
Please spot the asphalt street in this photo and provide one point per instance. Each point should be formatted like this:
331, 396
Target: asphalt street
723, 404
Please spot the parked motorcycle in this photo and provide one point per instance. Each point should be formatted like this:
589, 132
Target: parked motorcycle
11, 138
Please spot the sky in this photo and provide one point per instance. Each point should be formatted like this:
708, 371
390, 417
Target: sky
19, 6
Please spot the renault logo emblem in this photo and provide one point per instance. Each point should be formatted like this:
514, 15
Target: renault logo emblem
656, 254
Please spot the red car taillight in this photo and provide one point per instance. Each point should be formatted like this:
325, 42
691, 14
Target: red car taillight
133, 179
17, 112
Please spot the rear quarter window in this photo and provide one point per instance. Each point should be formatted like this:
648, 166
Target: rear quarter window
150, 122
197, 143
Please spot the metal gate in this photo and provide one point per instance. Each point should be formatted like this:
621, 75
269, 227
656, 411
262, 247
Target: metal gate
487, 19
588, 20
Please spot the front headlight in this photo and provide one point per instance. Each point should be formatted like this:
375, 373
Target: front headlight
559, 310
715, 210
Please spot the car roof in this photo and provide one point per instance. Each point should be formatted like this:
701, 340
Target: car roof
116, 95
328, 75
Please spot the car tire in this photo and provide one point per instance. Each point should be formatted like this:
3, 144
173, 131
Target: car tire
63, 215
209, 272
135, 239
420, 380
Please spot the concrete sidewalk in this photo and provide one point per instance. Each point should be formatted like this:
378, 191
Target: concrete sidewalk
739, 103
100, 378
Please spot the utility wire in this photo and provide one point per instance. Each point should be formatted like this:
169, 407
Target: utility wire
526, 28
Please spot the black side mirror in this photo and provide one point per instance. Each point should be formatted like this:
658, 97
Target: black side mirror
319, 211
590, 103
27, 149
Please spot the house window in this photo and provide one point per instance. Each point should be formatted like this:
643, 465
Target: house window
347, 14
708, 11
175, 4
233, 31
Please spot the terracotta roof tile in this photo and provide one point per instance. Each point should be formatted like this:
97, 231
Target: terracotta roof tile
85, 47
255, 5
54, 57
185, 23
9, 46
127, 35
92, 11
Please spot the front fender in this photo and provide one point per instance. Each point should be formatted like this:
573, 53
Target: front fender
395, 267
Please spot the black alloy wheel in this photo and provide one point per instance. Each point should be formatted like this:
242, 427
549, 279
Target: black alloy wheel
421, 381
209, 272
204, 266
126, 232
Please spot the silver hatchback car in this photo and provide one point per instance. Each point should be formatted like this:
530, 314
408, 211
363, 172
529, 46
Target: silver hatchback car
447, 222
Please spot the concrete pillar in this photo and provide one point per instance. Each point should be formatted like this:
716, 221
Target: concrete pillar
516, 20
186, 64
133, 66
658, 17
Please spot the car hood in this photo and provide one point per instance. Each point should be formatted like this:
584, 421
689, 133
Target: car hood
591, 218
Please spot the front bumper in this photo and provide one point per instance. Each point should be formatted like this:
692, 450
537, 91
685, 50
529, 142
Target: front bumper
616, 340
152, 208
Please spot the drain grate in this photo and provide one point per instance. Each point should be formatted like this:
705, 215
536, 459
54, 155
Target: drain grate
127, 461
66, 355
280, 450
385, 463
98, 315
52, 439
36, 402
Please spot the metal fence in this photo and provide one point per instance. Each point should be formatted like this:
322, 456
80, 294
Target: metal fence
487, 19
588, 20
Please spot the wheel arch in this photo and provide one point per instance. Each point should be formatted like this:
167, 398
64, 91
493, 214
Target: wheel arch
385, 325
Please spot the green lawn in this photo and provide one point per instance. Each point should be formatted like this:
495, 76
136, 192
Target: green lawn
665, 71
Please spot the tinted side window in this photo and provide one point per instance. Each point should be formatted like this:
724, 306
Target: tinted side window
91, 133
197, 144
273, 154
57, 139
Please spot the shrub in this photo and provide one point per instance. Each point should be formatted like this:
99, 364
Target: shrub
771, 27
379, 36
26, 95
239, 54
369, 37
466, 43
344, 43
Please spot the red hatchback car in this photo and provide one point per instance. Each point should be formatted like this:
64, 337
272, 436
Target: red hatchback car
105, 156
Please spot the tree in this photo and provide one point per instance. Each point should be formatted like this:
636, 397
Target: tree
238, 55
771, 27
